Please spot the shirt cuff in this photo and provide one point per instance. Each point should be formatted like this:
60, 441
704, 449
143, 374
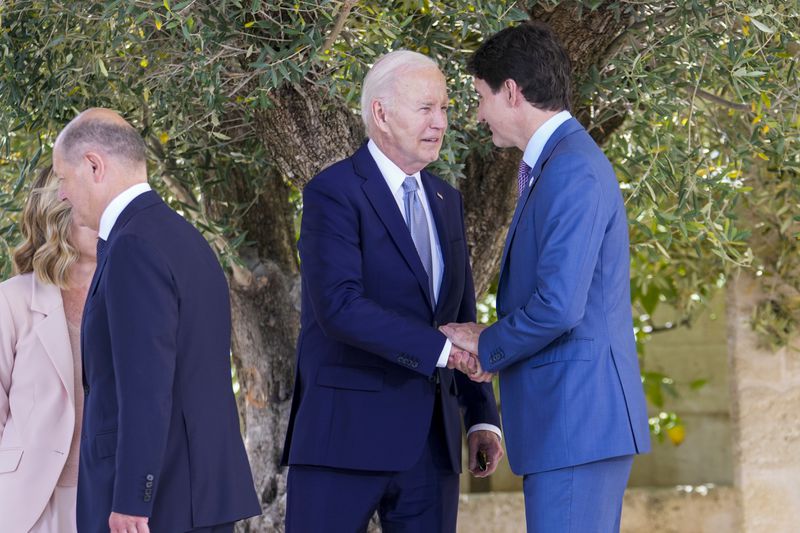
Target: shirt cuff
486, 427
445, 355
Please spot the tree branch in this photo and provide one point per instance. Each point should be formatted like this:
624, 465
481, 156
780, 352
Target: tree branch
338, 25
721, 101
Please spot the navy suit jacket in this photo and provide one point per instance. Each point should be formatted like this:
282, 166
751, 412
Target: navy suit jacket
563, 343
161, 431
368, 345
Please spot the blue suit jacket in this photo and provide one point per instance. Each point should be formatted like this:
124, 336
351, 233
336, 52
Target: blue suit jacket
161, 432
368, 344
569, 374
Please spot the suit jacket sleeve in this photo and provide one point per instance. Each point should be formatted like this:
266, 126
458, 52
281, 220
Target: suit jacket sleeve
330, 254
7, 349
568, 223
143, 322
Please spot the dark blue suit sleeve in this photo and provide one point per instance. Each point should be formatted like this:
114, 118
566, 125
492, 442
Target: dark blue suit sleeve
331, 258
143, 323
569, 229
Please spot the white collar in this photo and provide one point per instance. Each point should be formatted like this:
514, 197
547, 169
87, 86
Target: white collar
393, 174
115, 208
540, 137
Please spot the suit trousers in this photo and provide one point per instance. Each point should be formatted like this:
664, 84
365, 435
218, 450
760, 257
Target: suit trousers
578, 499
336, 500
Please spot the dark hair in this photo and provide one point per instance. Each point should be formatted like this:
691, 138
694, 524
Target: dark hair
531, 55
120, 140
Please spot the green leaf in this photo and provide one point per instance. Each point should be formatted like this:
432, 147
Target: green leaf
761, 26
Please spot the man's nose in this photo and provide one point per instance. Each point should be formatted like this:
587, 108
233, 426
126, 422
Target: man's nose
440, 119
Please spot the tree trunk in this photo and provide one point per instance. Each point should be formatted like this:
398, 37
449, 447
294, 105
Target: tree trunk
265, 303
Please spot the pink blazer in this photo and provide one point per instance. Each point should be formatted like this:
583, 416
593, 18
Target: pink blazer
37, 416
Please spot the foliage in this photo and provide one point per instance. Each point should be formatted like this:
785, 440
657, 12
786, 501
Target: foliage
707, 156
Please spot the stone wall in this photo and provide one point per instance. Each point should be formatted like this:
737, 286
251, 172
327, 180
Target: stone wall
765, 388
687, 354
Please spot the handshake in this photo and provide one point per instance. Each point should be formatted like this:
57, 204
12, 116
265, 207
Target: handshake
463, 354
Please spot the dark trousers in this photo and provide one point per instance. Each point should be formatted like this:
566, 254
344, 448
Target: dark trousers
335, 500
577, 499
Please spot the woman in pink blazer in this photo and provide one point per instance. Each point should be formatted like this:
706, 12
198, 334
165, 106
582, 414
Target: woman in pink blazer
41, 392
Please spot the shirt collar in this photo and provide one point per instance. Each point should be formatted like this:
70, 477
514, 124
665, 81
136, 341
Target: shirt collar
117, 206
540, 137
393, 174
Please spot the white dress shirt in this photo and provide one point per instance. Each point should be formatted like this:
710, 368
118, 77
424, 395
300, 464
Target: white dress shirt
540, 137
115, 208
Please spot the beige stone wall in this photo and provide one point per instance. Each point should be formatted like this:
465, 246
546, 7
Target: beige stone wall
687, 354
765, 389
644, 511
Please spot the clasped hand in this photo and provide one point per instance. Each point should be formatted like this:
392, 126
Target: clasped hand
465, 347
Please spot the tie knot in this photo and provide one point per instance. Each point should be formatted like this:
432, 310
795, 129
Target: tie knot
410, 184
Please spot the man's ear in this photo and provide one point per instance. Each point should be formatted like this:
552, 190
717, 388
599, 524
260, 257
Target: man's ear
97, 164
512, 92
379, 113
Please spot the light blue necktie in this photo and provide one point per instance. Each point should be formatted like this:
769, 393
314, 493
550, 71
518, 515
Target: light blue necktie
418, 226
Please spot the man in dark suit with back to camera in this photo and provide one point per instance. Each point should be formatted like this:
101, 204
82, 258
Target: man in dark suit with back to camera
375, 421
161, 448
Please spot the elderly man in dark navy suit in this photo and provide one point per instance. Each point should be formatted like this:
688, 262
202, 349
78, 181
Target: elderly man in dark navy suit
375, 421
161, 449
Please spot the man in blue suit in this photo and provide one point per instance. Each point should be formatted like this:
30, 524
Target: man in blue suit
161, 448
375, 421
573, 406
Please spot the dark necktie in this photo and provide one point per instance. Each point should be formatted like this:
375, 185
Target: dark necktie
418, 226
101, 249
522, 177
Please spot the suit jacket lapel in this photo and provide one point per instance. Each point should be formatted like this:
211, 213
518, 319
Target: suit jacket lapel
568, 127
436, 199
52, 331
381, 198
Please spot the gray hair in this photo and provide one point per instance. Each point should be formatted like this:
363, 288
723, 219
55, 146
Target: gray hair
379, 82
120, 140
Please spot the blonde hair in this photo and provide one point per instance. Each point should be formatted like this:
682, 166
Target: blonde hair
46, 227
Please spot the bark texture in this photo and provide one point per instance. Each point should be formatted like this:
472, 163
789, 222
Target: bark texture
307, 130
265, 304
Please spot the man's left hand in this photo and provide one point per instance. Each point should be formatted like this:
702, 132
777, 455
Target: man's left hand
489, 443
123, 523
